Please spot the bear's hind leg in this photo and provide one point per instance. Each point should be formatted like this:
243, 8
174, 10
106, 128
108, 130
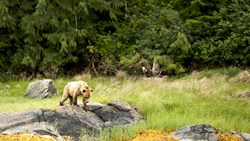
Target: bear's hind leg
63, 100
65, 97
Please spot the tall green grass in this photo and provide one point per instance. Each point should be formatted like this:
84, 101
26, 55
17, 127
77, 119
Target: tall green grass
165, 103
116, 133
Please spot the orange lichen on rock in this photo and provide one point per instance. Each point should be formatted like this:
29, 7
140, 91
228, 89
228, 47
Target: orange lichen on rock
154, 135
148, 135
228, 137
29, 136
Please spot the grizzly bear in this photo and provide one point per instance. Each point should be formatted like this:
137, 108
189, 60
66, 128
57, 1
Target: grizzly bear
74, 89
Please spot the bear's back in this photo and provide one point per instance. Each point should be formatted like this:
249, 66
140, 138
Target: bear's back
82, 83
75, 85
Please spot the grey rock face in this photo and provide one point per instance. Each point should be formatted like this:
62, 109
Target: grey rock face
42, 128
14, 119
6, 87
243, 136
66, 120
41, 89
120, 105
118, 112
70, 121
95, 106
199, 132
246, 136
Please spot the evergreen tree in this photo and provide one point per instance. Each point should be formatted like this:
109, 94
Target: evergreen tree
103, 36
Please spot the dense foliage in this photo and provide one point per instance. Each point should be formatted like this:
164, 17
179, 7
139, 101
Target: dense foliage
103, 36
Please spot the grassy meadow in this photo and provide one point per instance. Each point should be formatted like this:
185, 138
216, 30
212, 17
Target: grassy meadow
165, 103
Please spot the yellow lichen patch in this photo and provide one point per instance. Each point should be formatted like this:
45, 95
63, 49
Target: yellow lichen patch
154, 135
29, 136
228, 137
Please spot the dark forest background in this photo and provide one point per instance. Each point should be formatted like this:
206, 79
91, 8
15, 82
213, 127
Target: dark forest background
103, 36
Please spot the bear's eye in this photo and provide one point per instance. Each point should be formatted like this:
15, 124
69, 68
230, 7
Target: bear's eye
91, 90
83, 91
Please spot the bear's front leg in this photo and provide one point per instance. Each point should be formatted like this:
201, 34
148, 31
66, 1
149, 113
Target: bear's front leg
86, 108
74, 99
85, 101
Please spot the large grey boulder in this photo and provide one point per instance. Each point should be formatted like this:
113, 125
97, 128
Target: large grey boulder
42, 128
118, 112
13, 119
198, 132
120, 105
68, 120
6, 87
41, 89
71, 120
95, 106
243, 136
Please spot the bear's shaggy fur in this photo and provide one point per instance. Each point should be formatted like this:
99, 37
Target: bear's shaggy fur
74, 89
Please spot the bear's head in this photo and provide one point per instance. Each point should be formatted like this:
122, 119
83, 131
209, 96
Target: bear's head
86, 92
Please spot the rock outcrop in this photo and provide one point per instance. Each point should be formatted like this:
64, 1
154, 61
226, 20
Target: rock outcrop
243, 136
118, 112
69, 120
198, 132
41, 89
6, 87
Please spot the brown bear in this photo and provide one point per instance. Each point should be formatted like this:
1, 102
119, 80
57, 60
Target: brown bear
74, 89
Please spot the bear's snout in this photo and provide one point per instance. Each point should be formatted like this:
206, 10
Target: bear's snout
87, 96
